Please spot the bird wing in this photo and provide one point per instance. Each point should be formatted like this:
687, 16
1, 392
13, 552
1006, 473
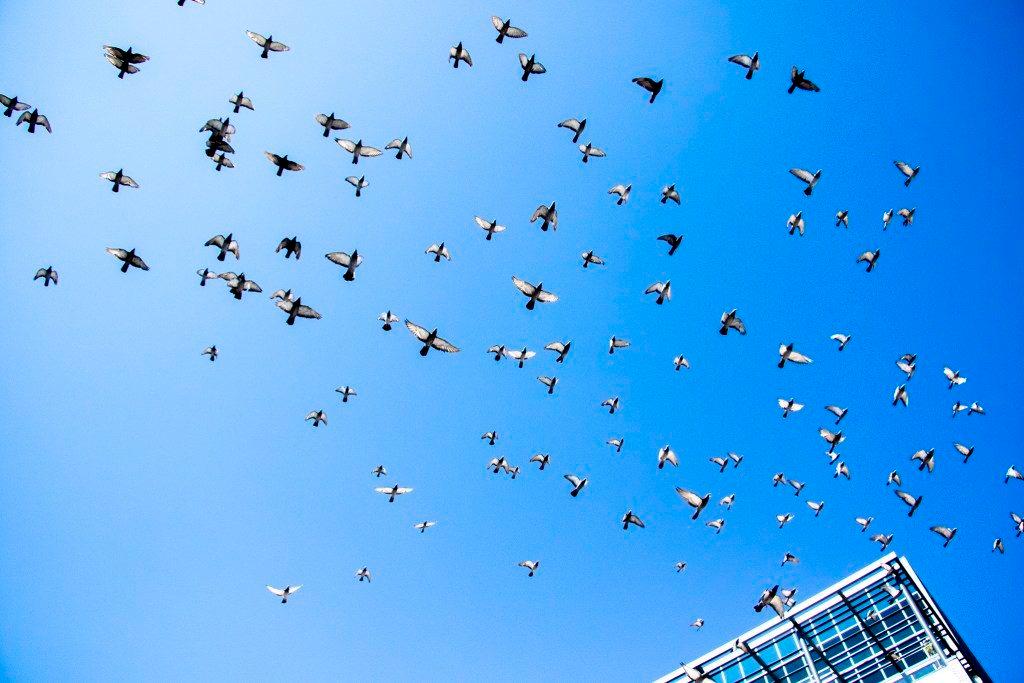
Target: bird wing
524, 286
306, 312
215, 241
656, 287
558, 347
905, 497
278, 47
571, 124
537, 68
417, 331
904, 168
546, 297
444, 345
742, 60
346, 145
572, 479
796, 357
803, 175
279, 592
514, 32
365, 151
341, 258
689, 497
256, 38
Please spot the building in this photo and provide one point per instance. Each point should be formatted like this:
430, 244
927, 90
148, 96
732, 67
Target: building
877, 625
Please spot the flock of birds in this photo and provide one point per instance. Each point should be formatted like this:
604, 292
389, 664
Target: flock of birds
427, 338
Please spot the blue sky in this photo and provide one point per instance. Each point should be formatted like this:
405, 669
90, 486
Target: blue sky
148, 495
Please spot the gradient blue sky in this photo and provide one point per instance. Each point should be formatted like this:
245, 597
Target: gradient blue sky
147, 495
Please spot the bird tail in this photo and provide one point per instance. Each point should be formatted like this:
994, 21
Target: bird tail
530, 304
280, 171
424, 350
237, 108
526, 76
782, 361
500, 39
124, 268
265, 52
791, 89
808, 190
723, 330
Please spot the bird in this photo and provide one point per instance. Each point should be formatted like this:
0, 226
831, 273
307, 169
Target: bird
680, 567
954, 377
543, 458
616, 444
379, 471
617, 343
716, 524
205, 274
317, 416
347, 261
650, 85
534, 293
291, 245
589, 257
673, 242
907, 215
1018, 523
798, 81
531, 565
119, 179
778, 478
283, 163
751, 63
459, 54
662, 289
883, 539
220, 161
841, 471
870, 258
769, 598
946, 532
1013, 473
894, 478
210, 351
490, 227
630, 518
907, 367
796, 222
693, 499
588, 150
892, 591
843, 218
549, 382
966, 451
238, 284
622, 191
731, 321
840, 413
345, 392
817, 506
530, 65
403, 147
577, 484
287, 591
887, 218
975, 409
789, 558
681, 362
329, 123
907, 171
784, 519
808, 178
669, 192
789, 406
130, 258
548, 216
240, 100
520, 355
612, 404
911, 502
842, 339
728, 501
900, 395
667, 455
786, 353
577, 126
998, 545
296, 309
357, 149
364, 573
927, 459
430, 339
124, 60
387, 317
225, 245
735, 458
490, 437
439, 251
495, 465
34, 118
359, 183
498, 350
12, 104
697, 624
48, 274
393, 491
505, 29
423, 526
721, 462
220, 127
268, 44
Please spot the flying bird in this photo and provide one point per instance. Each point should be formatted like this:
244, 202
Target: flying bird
283, 163
490, 227
817, 506
728, 501
588, 150
617, 343
543, 458
124, 60
843, 218
662, 289
220, 161
268, 44
694, 500
882, 539
423, 526
907, 171
210, 351
798, 81
291, 245
459, 54
505, 30
548, 216
630, 518
789, 558
530, 65
520, 355
317, 416
796, 222
907, 215
357, 149
667, 455
430, 339
439, 251
841, 339
808, 178
864, 522
364, 573
347, 261
205, 274
287, 591
731, 321
531, 565
669, 192
534, 293
954, 377
589, 257
12, 104
751, 63
329, 123
786, 353
887, 218
612, 404
789, 406
238, 284
118, 178
128, 257
225, 245
34, 118
946, 532
910, 501
549, 382
345, 392
840, 413
48, 274
490, 437
650, 85
1013, 473
673, 242
870, 258
966, 451
387, 317
681, 362
616, 444
403, 147
622, 191
577, 484
359, 183
240, 100
296, 309
832, 439
577, 126
393, 491
927, 459
784, 519
900, 395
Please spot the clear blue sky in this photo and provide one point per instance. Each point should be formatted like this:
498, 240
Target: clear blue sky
147, 495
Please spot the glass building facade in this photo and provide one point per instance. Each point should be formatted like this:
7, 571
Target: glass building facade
877, 625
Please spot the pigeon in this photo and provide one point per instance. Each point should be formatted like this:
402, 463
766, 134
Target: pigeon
751, 63
795, 223
887, 218
225, 245
577, 484
622, 191
786, 353
894, 478
680, 567
210, 351
612, 404
673, 242
490, 227
283, 163
616, 443
667, 455
975, 408
577, 126
403, 147
387, 317
842, 339
900, 395
345, 392
778, 478
907, 367
329, 123
12, 104
908, 216
549, 382
218, 143
128, 257
716, 524
810, 179
548, 216
907, 171
459, 54
220, 161
497, 464
728, 501
927, 459
543, 458
317, 416
731, 321
892, 591
430, 339
616, 343
239, 284
287, 591
911, 502
124, 60
268, 44
118, 178
693, 499
1018, 523
769, 598
498, 350
490, 437
843, 218
681, 362
840, 413
205, 274
531, 565
534, 293
669, 192
864, 522
1013, 473
870, 258
789, 558
650, 85
364, 573
841, 471
721, 462
520, 355
296, 309
530, 65
439, 251
347, 261
697, 624
630, 518
799, 82
291, 245
954, 377
789, 406
423, 526
588, 150
966, 451
240, 100
946, 532
662, 289
379, 471
817, 506
359, 183
34, 118
48, 274
393, 491
736, 459
219, 127
505, 29
357, 149
589, 257
998, 545
883, 539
